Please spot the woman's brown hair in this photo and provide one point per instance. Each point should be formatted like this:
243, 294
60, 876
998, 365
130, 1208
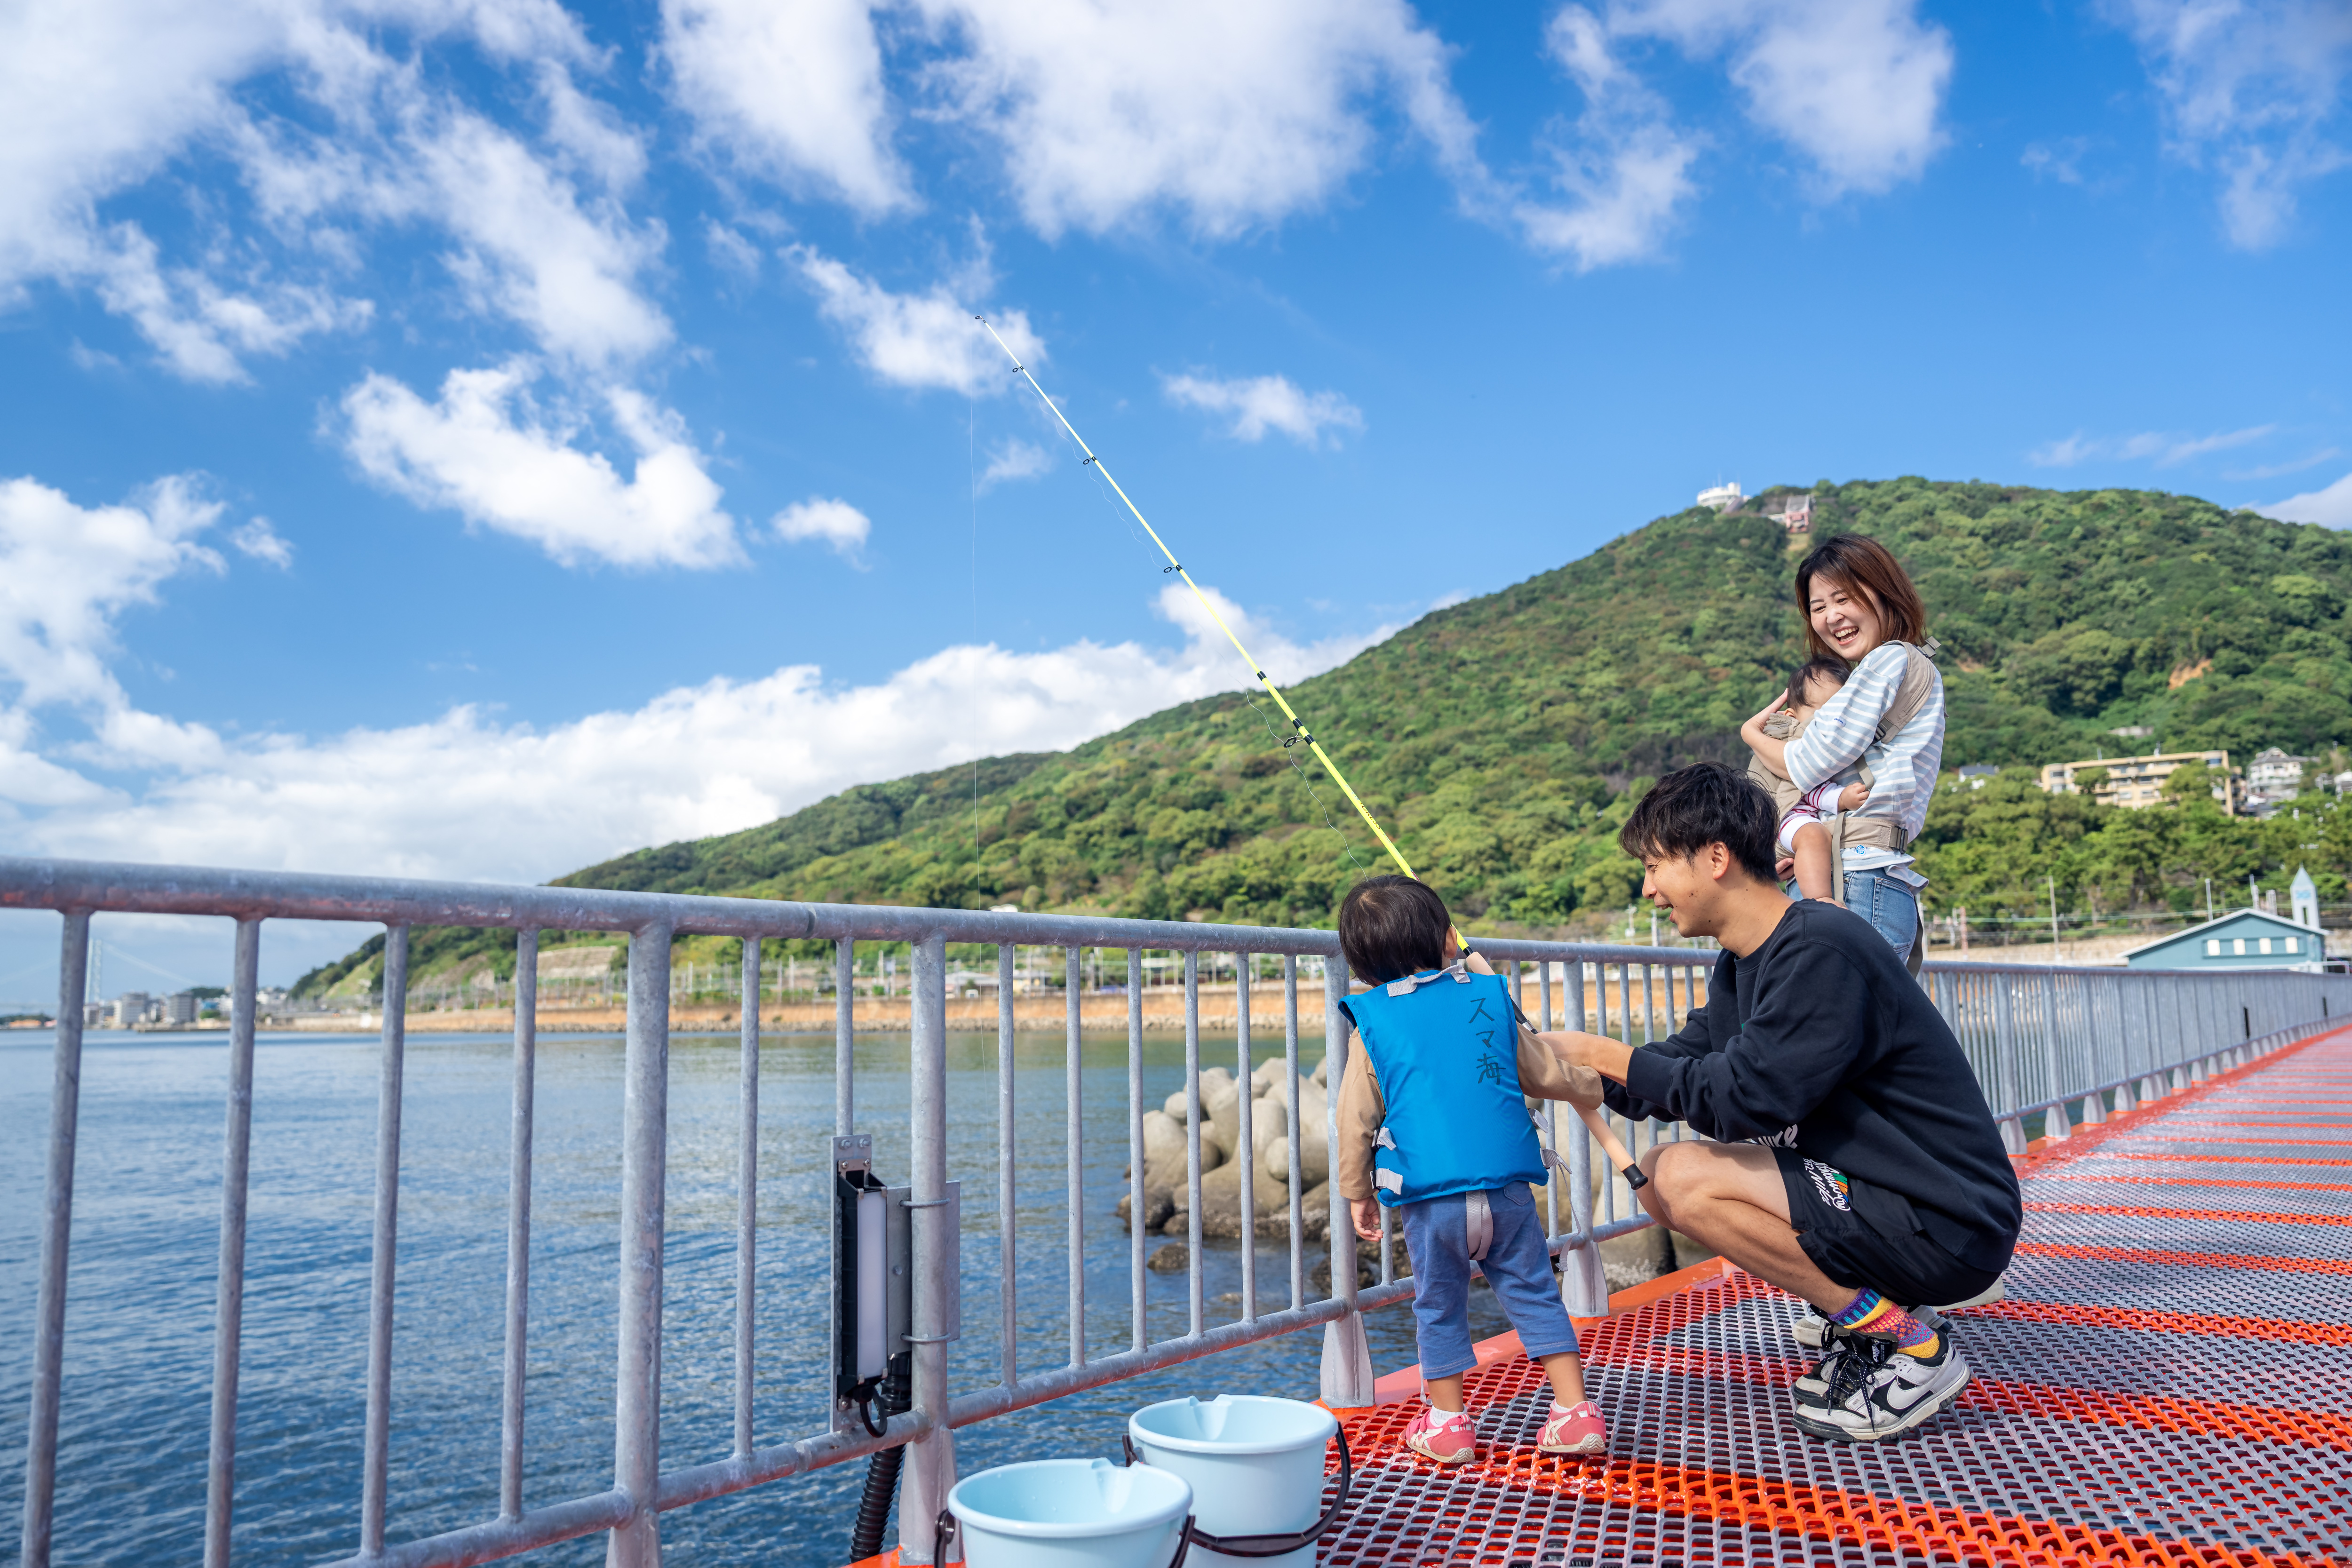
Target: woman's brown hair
1857, 562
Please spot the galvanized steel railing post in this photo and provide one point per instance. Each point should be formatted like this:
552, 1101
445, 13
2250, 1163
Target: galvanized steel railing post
644, 1121
56, 1232
2053, 1120
930, 1471
747, 1197
1245, 1152
1137, 1287
1074, 1074
1346, 1353
376, 1450
1008, 1153
229, 1315
1192, 1139
845, 1037
1297, 1134
2005, 1047
516, 1363
1583, 1282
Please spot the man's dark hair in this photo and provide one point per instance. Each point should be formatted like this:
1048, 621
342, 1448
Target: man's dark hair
1703, 804
1829, 668
1390, 927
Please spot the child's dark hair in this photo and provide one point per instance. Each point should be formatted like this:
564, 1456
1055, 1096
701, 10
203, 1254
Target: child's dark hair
1833, 671
1703, 804
1390, 927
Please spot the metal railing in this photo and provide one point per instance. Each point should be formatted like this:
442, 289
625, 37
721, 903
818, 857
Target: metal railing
2038, 1038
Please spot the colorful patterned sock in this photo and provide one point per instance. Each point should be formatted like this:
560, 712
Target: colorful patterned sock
1871, 1313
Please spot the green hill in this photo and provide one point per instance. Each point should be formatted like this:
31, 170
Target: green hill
1503, 739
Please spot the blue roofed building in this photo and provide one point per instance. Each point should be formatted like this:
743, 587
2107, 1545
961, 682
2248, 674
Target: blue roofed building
2243, 938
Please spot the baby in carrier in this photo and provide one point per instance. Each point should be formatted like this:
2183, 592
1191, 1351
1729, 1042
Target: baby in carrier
1805, 814
1433, 1127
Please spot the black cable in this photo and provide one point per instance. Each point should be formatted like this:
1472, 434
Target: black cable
873, 1504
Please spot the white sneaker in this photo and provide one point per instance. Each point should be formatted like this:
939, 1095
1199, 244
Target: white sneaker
1876, 1391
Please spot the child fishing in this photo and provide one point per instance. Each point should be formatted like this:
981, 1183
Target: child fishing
1432, 1123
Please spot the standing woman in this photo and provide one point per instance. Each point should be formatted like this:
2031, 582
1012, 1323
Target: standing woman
1860, 606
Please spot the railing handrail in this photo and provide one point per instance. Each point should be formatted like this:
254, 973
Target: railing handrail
2039, 1037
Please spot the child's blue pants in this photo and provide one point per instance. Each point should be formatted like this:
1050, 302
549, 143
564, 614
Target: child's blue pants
1518, 1265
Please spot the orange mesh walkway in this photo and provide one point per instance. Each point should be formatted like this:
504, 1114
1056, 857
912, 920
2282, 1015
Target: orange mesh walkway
2167, 1383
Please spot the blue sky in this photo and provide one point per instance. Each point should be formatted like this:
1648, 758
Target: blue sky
475, 437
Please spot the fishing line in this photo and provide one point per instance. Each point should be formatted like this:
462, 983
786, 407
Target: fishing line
1301, 734
1597, 1124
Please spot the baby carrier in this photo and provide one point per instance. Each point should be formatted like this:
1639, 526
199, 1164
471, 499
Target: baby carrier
1849, 829
1445, 1047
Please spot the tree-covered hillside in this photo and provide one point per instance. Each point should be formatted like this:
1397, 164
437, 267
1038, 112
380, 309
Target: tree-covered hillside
1503, 740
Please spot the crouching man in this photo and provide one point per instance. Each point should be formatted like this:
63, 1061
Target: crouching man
1859, 1167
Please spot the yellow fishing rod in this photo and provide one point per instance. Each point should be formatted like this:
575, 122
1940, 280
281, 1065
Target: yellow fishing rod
1597, 1124
1296, 723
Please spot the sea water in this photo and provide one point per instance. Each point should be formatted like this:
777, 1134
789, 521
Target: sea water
139, 1336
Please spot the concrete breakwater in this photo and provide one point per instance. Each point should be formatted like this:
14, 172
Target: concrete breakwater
1163, 1011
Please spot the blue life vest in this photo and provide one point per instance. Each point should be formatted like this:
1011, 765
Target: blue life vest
1445, 1045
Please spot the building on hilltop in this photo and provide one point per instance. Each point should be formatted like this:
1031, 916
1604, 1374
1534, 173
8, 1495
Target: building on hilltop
1974, 774
1792, 511
1721, 498
2139, 781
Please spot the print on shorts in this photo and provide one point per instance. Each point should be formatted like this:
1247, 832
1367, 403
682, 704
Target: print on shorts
1829, 1185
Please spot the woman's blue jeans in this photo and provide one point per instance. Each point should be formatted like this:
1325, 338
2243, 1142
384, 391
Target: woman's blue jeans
1890, 906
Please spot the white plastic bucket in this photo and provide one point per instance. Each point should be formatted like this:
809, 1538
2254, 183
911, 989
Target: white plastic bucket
1255, 1466
1070, 1514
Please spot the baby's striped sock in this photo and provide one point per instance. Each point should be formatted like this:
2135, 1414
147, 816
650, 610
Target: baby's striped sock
1871, 1313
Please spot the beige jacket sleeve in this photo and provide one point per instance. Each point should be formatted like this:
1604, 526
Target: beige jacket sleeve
1362, 1111
1362, 1108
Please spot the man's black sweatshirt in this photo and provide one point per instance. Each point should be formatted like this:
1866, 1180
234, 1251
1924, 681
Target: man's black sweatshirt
1820, 1040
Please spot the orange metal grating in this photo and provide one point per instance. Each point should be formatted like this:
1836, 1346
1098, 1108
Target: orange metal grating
2167, 1382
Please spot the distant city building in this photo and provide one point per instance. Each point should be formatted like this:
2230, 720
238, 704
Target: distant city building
2139, 781
2133, 731
1975, 773
130, 1009
180, 1009
1792, 511
2275, 774
1721, 498
2243, 938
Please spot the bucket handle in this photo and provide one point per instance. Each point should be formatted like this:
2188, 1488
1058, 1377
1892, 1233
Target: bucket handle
943, 1536
1264, 1545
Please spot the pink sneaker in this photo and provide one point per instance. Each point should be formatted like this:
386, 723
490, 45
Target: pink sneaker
1577, 1431
1448, 1439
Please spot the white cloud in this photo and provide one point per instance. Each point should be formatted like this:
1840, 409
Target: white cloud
1623, 168
926, 340
464, 796
484, 450
1262, 403
2165, 449
1016, 460
1229, 114
2331, 506
533, 251
261, 542
66, 572
831, 521
1854, 85
99, 96
793, 92
2251, 89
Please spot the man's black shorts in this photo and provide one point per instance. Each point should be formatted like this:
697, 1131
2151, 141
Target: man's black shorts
1910, 1269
